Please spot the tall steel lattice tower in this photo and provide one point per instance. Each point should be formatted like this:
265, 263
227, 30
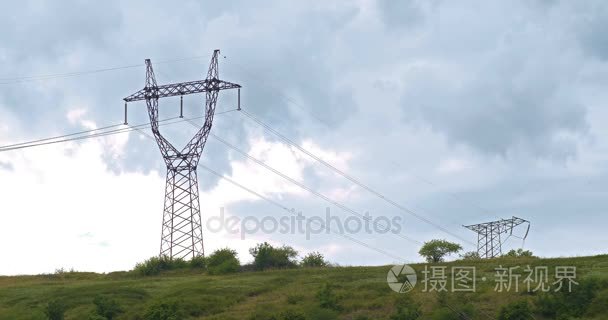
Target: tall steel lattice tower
489, 244
182, 232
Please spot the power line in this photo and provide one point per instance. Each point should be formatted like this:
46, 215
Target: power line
42, 142
86, 72
351, 178
58, 137
80, 136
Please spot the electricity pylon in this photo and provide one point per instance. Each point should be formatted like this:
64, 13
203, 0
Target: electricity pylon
182, 232
489, 244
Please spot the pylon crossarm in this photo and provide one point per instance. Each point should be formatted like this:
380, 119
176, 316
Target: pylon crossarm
182, 89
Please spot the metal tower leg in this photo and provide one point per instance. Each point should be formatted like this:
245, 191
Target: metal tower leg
182, 232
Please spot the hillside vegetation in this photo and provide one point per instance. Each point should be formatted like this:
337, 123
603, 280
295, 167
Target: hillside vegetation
299, 293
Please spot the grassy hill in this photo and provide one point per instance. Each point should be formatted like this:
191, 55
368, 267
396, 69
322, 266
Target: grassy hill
359, 292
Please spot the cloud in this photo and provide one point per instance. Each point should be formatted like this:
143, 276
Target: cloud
514, 91
401, 13
592, 25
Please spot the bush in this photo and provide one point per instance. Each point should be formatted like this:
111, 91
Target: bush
55, 310
519, 253
471, 255
106, 307
327, 298
198, 262
314, 260
156, 265
519, 310
164, 311
266, 256
223, 261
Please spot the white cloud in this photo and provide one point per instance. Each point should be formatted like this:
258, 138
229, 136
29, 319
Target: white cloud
75, 115
448, 166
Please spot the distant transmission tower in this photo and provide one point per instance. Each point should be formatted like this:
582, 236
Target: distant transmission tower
489, 244
182, 232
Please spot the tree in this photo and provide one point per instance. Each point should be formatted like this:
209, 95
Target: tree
435, 250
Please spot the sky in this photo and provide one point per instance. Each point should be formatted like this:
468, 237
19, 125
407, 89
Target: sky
459, 112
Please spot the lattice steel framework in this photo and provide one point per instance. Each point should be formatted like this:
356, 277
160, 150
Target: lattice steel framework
489, 243
182, 233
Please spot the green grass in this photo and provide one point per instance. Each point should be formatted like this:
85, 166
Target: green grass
362, 292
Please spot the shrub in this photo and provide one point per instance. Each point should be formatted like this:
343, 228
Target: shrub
223, 261
95, 316
519, 310
471, 255
156, 265
327, 298
106, 307
198, 262
55, 310
519, 253
164, 311
314, 259
266, 256
435, 250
